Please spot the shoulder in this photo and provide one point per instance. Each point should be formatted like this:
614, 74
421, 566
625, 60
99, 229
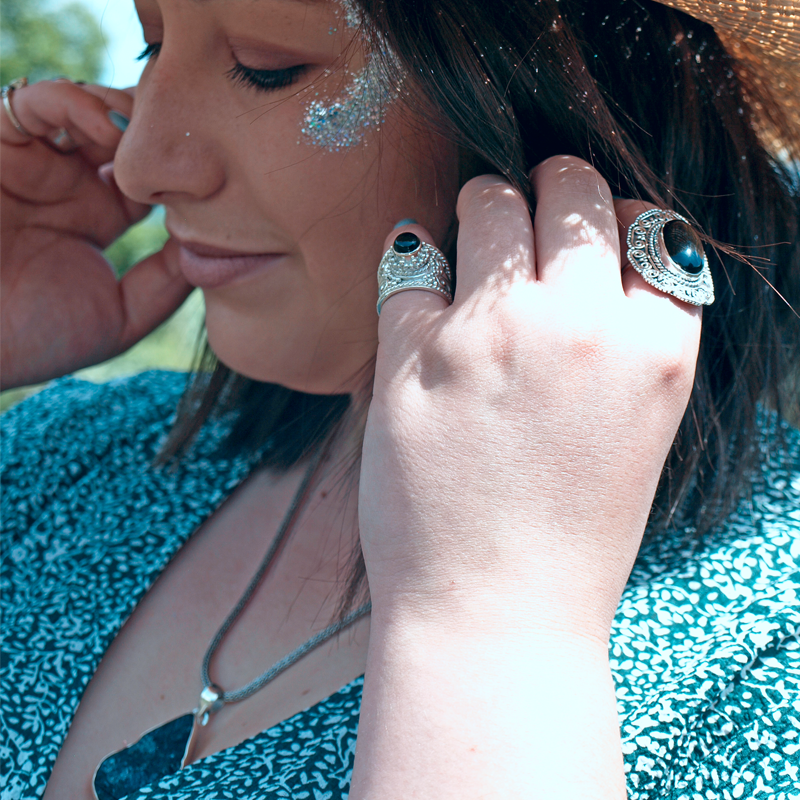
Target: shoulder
705, 648
69, 408
57, 437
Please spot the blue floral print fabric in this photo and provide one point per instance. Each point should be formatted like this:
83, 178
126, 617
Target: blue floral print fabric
705, 647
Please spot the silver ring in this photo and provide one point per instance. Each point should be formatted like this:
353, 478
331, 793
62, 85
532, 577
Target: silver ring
667, 252
19, 83
411, 263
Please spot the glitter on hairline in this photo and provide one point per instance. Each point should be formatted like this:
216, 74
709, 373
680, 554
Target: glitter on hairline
352, 14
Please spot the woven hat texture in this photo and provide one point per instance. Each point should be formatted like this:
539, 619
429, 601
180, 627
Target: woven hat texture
765, 34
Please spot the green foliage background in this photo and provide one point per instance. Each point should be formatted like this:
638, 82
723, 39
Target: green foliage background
42, 43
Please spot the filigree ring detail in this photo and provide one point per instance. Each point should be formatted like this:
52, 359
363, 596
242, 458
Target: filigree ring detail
667, 252
411, 263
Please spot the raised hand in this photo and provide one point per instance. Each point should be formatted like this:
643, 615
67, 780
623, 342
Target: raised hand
513, 447
62, 305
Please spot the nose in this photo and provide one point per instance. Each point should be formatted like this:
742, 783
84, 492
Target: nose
169, 150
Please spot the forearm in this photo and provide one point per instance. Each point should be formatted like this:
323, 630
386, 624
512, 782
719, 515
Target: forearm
452, 709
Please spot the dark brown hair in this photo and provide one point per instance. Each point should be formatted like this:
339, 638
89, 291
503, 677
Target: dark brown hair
650, 97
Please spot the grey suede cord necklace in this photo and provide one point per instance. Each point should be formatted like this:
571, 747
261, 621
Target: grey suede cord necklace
166, 748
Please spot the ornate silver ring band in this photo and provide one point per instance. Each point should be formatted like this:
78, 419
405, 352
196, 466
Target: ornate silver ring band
667, 252
411, 263
19, 83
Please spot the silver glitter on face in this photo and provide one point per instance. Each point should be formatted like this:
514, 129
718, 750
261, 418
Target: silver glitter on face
352, 13
345, 122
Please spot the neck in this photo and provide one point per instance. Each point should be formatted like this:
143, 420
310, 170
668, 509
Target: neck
322, 546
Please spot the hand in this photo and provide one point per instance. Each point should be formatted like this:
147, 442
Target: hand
512, 450
515, 439
62, 306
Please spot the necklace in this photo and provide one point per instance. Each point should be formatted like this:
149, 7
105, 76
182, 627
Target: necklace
165, 749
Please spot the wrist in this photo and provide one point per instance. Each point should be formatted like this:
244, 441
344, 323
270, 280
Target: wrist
452, 711
538, 612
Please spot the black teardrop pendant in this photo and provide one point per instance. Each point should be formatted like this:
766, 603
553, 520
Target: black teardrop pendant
684, 246
159, 752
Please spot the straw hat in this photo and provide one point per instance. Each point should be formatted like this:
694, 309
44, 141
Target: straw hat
765, 34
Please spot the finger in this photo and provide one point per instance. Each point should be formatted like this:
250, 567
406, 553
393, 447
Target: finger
151, 292
626, 212
134, 211
118, 99
45, 109
65, 194
495, 236
398, 308
577, 244
37, 174
634, 285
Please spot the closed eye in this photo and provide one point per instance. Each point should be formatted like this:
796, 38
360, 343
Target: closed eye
265, 80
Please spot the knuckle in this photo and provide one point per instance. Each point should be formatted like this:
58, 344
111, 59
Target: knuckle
572, 175
671, 366
482, 193
588, 345
676, 369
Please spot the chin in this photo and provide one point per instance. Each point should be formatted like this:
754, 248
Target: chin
301, 371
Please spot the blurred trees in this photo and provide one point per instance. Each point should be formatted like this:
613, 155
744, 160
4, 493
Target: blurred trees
143, 239
42, 43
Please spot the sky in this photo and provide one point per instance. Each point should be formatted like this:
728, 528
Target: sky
124, 36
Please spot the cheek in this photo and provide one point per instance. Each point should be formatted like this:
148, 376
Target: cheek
356, 207
317, 325
348, 120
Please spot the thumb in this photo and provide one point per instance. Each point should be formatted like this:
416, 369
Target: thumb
150, 292
134, 211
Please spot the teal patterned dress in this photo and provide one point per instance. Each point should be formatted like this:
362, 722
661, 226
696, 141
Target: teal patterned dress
705, 646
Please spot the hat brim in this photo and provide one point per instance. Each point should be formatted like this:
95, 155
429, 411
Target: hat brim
764, 35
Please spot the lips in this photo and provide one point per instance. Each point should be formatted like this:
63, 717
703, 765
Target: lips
210, 267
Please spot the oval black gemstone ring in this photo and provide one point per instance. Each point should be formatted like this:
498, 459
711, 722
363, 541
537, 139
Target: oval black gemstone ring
668, 253
406, 243
684, 247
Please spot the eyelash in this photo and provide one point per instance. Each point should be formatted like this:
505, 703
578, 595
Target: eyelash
264, 80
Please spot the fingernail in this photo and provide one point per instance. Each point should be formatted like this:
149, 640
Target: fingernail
119, 120
403, 222
106, 173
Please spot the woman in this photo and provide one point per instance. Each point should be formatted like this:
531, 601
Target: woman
514, 440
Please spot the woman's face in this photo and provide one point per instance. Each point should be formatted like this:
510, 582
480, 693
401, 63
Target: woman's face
232, 133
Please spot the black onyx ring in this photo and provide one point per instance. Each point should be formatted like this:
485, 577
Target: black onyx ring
411, 263
667, 252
